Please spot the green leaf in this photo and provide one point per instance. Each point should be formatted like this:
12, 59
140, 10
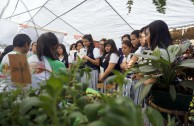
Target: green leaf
187, 63
77, 118
187, 83
156, 52
154, 117
27, 104
140, 82
147, 68
97, 123
40, 118
112, 118
149, 57
168, 56
91, 111
172, 92
54, 86
184, 47
145, 91
174, 49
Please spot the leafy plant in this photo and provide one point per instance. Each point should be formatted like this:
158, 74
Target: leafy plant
165, 66
64, 101
160, 5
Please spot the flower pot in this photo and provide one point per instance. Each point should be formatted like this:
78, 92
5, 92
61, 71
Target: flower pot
164, 100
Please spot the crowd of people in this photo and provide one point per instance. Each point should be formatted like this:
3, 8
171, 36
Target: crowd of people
47, 55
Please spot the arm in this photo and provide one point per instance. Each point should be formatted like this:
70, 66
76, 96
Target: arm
132, 61
123, 65
93, 61
107, 71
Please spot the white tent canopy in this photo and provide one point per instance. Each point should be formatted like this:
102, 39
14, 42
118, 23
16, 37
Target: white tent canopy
101, 18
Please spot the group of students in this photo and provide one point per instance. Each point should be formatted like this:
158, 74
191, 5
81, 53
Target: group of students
48, 55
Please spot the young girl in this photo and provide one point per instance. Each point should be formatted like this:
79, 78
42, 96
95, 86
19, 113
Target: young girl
32, 49
126, 50
92, 60
79, 46
135, 40
110, 61
45, 62
62, 55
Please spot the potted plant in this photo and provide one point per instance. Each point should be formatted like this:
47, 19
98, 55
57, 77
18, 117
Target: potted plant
169, 86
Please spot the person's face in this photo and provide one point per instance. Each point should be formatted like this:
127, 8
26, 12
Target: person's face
59, 50
26, 48
125, 38
79, 46
86, 43
73, 47
101, 46
142, 39
147, 38
126, 49
34, 48
134, 40
107, 48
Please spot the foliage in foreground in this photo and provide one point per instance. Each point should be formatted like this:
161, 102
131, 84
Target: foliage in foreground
63, 101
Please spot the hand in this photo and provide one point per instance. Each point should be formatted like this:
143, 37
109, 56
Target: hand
149, 81
100, 78
86, 57
123, 65
129, 64
137, 76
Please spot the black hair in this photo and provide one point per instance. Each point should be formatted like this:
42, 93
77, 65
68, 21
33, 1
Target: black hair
126, 35
46, 46
159, 34
103, 39
91, 46
80, 41
136, 33
143, 29
7, 49
20, 40
32, 45
71, 46
64, 52
128, 43
113, 48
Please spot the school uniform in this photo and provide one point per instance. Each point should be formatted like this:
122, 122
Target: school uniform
114, 58
94, 74
127, 88
64, 61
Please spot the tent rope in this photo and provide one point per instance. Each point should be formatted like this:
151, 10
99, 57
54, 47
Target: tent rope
23, 12
65, 13
14, 9
31, 18
64, 21
119, 15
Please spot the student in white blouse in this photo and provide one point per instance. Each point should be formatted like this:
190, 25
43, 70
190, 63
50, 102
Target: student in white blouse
92, 60
126, 50
110, 60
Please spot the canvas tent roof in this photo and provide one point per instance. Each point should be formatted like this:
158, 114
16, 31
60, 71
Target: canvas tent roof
101, 18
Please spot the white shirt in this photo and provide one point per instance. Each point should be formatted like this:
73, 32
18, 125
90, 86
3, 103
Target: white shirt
139, 50
5, 59
96, 53
114, 58
127, 58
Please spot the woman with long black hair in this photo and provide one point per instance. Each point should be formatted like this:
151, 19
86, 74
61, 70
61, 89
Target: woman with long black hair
92, 60
62, 55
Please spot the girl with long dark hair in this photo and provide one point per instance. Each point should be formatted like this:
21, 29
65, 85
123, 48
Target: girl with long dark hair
92, 60
62, 54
